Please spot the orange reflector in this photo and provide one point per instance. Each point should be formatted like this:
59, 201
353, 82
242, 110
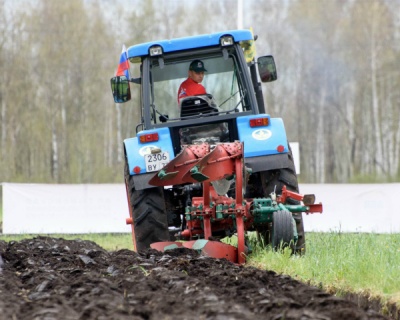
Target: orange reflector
280, 148
148, 137
136, 170
259, 122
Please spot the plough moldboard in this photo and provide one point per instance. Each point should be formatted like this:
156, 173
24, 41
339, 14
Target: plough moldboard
215, 213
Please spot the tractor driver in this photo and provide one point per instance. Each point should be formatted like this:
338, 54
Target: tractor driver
192, 85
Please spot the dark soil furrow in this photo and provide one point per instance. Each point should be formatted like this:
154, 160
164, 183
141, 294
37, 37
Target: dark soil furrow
48, 278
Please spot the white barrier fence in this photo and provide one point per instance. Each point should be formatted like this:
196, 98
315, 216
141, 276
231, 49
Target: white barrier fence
102, 208
354, 207
58, 208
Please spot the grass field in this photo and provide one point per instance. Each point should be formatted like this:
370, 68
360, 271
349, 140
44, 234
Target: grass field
364, 263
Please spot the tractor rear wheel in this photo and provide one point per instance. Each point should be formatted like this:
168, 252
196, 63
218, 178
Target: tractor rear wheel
148, 212
282, 230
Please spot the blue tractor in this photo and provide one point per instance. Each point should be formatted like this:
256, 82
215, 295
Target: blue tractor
211, 165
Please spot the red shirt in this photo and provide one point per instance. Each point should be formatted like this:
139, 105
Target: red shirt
190, 88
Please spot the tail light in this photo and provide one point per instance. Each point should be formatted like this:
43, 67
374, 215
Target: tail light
150, 137
259, 122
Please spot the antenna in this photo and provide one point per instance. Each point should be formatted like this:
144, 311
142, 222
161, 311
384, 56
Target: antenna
240, 14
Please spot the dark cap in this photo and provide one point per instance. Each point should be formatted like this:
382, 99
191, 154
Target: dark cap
197, 66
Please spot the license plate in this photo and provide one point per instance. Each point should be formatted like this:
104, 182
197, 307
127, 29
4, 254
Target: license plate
156, 161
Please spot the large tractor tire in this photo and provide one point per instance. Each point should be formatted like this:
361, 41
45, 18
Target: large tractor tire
282, 230
148, 212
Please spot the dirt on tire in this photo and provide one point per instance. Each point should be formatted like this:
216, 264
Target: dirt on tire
49, 278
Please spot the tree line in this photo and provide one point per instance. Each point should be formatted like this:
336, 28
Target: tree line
337, 88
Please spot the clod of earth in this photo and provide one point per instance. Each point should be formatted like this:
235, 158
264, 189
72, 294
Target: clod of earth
48, 278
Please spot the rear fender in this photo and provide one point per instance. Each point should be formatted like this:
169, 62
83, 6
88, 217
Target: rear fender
264, 140
270, 162
136, 151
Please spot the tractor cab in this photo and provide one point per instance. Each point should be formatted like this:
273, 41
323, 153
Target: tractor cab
230, 88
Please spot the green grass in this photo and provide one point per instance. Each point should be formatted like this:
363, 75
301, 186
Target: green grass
366, 264
108, 241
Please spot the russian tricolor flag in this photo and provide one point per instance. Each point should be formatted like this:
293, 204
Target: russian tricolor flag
123, 67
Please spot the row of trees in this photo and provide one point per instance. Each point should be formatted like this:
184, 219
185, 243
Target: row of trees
337, 89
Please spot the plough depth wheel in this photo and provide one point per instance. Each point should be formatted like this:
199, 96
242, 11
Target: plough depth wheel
282, 230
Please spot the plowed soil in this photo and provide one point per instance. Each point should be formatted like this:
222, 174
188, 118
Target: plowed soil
48, 278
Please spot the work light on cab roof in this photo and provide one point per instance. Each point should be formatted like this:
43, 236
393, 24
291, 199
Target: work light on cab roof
155, 51
226, 41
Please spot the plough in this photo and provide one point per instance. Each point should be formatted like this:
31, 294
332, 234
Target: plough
214, 212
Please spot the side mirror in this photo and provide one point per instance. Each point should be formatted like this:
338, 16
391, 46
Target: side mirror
120, 89
267, 69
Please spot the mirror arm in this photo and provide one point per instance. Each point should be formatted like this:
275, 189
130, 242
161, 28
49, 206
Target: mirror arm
136, 80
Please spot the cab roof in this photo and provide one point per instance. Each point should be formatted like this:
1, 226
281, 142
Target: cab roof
186, 43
